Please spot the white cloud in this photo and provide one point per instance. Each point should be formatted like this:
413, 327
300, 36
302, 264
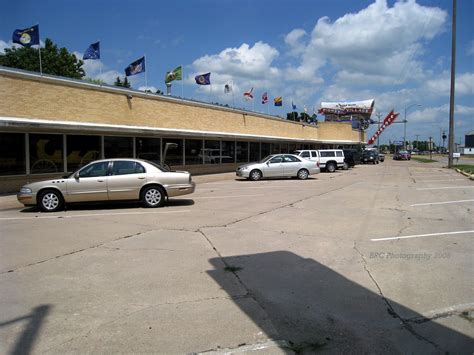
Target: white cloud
295, 41
246, 66
441, 86
153, 89
378, 41
95, 69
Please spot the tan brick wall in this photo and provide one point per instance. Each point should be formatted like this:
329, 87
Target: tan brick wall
26, 97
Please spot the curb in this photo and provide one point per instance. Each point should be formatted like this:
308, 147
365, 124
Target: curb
470, 176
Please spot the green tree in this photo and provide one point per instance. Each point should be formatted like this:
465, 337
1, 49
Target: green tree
54, 60
94, 81
292, 116
125, 83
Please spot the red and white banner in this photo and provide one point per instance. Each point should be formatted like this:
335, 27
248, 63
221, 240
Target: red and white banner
386, 122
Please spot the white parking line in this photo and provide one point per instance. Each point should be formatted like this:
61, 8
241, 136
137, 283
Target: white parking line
228, 196
445, 188
440, 203
422, 235
441, 180
90, 215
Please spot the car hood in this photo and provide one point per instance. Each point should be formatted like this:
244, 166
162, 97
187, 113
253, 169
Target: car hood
35, 186
248, 165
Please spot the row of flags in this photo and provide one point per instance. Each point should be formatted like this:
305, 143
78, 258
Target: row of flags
30, 36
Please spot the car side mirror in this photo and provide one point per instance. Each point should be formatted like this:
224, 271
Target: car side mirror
268, 163
76, 176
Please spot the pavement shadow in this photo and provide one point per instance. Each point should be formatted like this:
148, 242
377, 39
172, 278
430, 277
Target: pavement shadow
314, 308
116, 205
35, 319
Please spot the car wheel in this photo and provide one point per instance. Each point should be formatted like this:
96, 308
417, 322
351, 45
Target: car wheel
331, 167
153, 196
303, 174
50, 201
345, 166
255, 175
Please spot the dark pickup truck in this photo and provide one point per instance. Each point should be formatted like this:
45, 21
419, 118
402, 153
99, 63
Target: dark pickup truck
351, 157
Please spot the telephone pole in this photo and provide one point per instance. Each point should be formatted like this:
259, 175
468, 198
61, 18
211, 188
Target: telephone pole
453, 80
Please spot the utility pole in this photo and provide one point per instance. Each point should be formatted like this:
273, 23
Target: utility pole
430, 146
453, 81
417, 142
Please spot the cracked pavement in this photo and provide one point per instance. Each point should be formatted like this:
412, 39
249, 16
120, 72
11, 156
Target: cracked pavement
304, 275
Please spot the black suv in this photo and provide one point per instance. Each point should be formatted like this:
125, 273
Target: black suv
351, 157
370, 156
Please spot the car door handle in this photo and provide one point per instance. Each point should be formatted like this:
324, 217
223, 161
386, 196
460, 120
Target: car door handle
141, 178
100, 180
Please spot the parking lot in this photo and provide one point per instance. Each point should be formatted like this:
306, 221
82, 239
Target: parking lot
375, 259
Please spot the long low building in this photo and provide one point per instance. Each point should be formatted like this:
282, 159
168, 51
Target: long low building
52, 125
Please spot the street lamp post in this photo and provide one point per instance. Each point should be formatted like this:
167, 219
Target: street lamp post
405, 126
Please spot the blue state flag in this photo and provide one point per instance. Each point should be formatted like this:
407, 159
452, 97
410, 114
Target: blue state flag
136, 67
293, 106
203, 79
27, 37
93, 52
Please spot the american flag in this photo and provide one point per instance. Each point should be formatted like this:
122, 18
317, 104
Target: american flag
264, 98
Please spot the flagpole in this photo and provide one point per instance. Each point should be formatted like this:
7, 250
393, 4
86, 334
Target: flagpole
39, 51
146, 81
100, 66
182, 81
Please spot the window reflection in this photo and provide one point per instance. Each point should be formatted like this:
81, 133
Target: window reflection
12, 154
255, 151
193, 151
118, 147
211, 153
81, 150
242, 153
228, 152
148, 149
46, 153
174, 155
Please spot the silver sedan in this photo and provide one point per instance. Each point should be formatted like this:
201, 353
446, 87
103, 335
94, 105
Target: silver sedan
109, 180
279, 165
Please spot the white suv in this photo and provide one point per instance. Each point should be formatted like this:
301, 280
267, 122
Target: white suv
329, 159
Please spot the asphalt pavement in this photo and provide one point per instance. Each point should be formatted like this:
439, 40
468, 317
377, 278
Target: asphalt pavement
376, 259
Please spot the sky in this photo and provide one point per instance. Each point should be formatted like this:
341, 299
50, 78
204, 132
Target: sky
307, 51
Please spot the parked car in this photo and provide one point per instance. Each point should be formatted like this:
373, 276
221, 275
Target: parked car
402, 155
351, 157
279, 165
109, 180
381, 157
370, 157
329, 159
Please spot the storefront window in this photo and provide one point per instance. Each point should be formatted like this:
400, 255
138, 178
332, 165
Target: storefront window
284, 148
118, 147
254, 151
265, 150
174, 155
193, 151
275, 148
12, 154
228, 152
46, 153
242, 152
81, 150
148, 149
211, 152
